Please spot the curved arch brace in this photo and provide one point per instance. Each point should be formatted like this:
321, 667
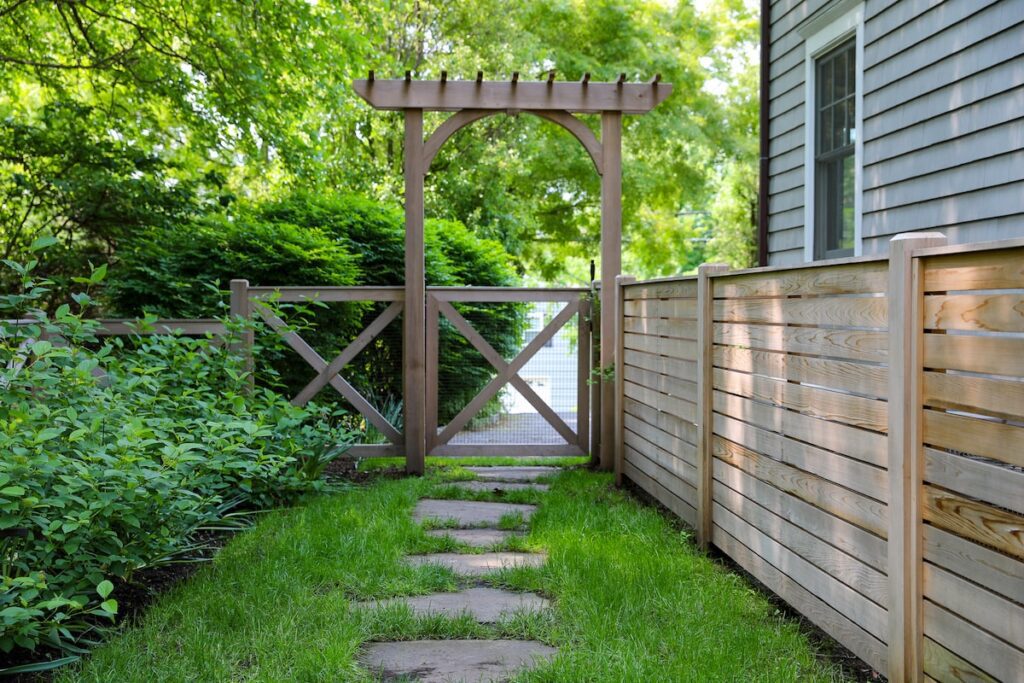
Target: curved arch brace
464, 117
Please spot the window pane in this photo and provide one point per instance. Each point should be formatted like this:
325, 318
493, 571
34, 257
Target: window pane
825, 93
839, 83
846, 237
851, 125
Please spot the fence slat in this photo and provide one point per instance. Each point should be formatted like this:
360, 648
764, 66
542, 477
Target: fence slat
844, 344
988, 312
858, 378
837, 311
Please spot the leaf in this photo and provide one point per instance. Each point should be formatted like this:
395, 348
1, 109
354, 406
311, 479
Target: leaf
41, 347
43, 243
109, 606
12, 491
104, 589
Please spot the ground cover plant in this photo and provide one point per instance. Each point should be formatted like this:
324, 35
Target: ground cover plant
117, 454
634, 600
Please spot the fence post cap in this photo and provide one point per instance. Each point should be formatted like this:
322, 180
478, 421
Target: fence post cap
712, 267
918, 236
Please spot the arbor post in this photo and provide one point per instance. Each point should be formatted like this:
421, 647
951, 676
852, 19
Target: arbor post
414, 367
611, 266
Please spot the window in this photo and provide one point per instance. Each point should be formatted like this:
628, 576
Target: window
834, 158
833, 144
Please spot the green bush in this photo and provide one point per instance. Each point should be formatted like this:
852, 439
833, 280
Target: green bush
117, 452
325, 240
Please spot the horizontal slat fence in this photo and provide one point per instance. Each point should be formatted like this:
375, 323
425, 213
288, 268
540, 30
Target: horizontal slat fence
659, 402
973, 434
919, 571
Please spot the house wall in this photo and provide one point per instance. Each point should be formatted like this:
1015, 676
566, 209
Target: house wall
943, 113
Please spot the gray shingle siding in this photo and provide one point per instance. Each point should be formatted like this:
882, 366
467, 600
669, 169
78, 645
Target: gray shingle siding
943, 121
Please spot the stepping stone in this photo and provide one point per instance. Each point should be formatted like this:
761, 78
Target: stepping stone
513, 473
447, 661
477, 538
499, 486
468, 513
485, 605
476, 565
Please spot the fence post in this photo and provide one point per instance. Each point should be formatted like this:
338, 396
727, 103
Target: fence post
241, 309
594, 381
906, 620
620, 368
705, 396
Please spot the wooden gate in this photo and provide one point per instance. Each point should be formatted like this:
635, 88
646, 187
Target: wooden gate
554, 430
570, 429
253, 301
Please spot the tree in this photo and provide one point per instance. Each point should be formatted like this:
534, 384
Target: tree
256, 95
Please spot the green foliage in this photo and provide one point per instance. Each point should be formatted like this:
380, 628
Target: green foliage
253, 98
334, 240
117, 453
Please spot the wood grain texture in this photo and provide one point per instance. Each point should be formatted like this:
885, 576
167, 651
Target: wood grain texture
943, 666
863, 478
671, 424
999, 269
843, 344
685, 309
997, 615
673, 445
682, 288
674, 405
974, 520
996, 440
676, 367
821, 311
847, 537
985, 355
673, 348
981, 649
985, 395
860, 412
859, 378
677, 328
988, 312
864, 445
841, 502
860, 642
984, 481
854, 278
861, 611
997, 572
850, 570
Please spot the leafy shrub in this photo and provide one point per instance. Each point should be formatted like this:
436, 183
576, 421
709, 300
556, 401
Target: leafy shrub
325, 240
117, 452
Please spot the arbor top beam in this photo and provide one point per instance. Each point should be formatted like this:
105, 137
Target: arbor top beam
513, 96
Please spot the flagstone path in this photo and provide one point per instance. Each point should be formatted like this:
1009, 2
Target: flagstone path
475, 524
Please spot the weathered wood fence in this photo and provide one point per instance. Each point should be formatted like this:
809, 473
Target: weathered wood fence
851, 434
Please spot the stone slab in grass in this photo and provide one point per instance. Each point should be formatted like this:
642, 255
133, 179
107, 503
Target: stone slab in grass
485, 605
498, 486
477, 538
475, 565
468, 513
447, 661
513, 473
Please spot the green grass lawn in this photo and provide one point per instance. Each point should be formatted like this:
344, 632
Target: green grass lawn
634, 600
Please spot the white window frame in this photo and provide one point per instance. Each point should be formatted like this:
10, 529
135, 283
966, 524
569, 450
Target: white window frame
823, 39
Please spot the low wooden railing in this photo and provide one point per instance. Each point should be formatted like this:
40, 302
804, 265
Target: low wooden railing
852, 434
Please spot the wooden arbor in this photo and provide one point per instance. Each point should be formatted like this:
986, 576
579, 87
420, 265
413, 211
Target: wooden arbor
474, 100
